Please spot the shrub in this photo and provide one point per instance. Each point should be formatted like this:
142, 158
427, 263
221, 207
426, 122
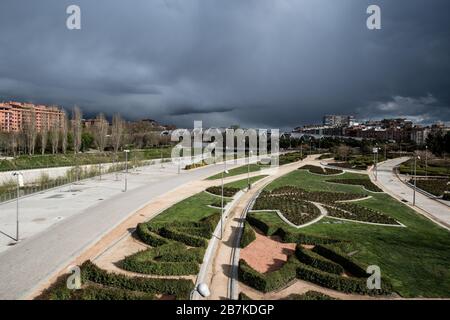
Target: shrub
227, 191
148, 236
436, 187
243, 296
295, 209
335, 282
291, 157
315, 260
446, 196
320, 170
366, 183
359, 213
180, 288
248, 235
269, 281
173, 234
291, 237
309, 295
170, 259
333, 254
268, 230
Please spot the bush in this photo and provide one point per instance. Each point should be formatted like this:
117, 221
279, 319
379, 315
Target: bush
446, 196
315, 260
335, 282
436, 187
301, 238
359, 213
248, 235
180, 288
366, 183
291, 157
296, 210
243, 296
170, 259
173, 234
347, 263
309, 295
149, 237
269, 281
320, 170
227, 191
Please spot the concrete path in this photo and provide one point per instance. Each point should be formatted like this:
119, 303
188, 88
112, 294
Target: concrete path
85, 220
390, 183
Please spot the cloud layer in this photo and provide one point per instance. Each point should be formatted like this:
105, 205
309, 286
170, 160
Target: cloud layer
267, 63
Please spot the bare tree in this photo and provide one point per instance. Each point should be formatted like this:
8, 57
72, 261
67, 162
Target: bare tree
44, 133
117, 132
29, 129
76, 128
54, 137
64, 133
101, 132
343, 152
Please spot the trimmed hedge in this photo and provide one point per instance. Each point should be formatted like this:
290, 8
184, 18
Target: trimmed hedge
317, 261
320, 170
366, 183
291, 237
248, 235
335, 282
353, 267
172, 259
180, 288
227, 191
287, 236
309, 295
269, 281
243, 296
173, 234
95, 292
149, 237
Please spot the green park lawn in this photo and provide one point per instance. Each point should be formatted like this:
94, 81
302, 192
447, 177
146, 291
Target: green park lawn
239, 170
416, 259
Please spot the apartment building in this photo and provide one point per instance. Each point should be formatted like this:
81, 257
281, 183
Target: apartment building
15, 115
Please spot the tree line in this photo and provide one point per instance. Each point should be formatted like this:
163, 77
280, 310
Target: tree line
70, 135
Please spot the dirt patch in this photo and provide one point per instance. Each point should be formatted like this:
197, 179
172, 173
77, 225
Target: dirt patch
267, 254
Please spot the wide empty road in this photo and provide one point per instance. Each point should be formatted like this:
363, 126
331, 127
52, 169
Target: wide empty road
29, 263
388, 180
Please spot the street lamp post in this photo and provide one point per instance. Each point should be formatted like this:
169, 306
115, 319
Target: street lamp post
222, 211
126, 170
375, 160
248, 170
426, 161
19, 177
415, 179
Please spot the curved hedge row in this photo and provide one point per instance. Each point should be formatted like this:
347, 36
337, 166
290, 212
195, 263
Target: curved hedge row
366, 183
317, 261
248, 235
149, 237
170, 260
180, 288
355, 268
227, 191
335, 282
269, 281
287, 236
320, 170
173, 234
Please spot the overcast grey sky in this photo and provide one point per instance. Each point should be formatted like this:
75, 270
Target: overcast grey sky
259, 63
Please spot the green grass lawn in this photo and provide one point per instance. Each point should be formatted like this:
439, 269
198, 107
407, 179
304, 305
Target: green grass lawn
416, 259
69, 159
239, 170
242, 184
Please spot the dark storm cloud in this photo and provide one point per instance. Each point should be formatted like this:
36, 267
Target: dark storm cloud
263, 63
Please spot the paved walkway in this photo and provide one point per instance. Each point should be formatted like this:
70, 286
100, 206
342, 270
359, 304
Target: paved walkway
391, 184
30, 263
